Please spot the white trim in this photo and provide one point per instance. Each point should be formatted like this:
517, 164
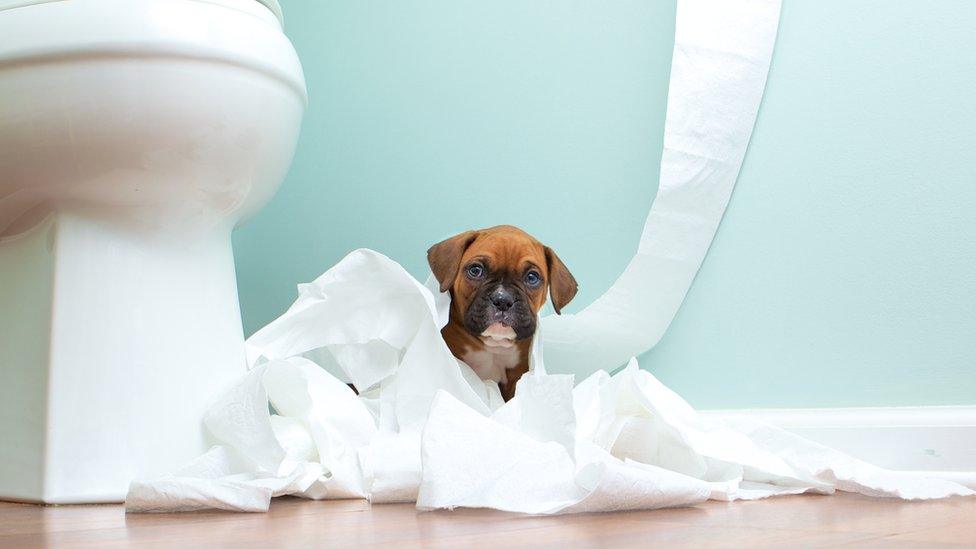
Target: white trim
937, 441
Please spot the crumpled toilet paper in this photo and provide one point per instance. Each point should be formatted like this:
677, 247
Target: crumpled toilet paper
426, 429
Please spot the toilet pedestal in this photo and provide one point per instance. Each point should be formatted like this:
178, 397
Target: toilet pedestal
113, 341
134, 136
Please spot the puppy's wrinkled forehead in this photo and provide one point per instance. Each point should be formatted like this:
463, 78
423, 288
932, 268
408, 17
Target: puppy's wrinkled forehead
508, 248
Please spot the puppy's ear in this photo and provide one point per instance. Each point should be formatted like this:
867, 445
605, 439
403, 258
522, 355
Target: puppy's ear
445, 257
562, 285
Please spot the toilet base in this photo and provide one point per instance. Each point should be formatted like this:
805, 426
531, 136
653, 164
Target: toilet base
114, 338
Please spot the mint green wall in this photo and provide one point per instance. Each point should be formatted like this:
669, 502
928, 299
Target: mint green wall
842, 273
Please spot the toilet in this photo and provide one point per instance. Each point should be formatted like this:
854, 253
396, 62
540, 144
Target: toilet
135, 135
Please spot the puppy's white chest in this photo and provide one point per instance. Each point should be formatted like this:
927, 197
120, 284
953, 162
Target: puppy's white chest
492, 364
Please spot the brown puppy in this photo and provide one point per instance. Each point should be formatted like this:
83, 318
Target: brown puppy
498, 279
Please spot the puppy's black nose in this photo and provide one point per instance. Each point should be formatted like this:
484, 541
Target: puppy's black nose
502, 299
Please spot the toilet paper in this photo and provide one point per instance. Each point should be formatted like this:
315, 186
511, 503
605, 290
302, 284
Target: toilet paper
722, 53
427, 429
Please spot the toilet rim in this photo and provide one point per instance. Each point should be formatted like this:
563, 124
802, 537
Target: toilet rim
272, 5
77, 30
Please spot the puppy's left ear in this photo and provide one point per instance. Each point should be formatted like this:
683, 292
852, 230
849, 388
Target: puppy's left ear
444, 257
562, 285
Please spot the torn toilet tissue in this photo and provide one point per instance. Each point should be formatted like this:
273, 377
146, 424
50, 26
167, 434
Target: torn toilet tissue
425, 428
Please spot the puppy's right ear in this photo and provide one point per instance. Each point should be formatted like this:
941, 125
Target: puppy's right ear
445, 257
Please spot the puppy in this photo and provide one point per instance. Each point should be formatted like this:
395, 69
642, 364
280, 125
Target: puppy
498, 279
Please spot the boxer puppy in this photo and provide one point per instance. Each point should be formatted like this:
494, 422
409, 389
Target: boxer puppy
498, 279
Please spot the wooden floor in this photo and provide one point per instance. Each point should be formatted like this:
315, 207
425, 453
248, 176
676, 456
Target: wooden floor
790, 521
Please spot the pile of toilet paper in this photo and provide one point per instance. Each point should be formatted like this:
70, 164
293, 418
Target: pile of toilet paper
425, 428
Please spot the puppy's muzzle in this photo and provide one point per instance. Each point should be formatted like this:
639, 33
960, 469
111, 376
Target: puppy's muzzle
500, 315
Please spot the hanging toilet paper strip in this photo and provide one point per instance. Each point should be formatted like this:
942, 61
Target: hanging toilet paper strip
722, 51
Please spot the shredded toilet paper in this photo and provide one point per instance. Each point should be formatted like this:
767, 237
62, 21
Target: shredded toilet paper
425, 428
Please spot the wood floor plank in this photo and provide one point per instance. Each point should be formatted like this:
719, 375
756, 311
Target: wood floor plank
799, 521
960, 533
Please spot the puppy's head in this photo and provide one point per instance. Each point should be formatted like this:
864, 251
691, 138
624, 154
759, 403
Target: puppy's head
499, 279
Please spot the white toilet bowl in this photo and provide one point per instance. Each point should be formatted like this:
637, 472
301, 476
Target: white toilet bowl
134, 136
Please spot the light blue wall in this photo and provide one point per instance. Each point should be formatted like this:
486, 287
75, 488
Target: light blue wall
842, 273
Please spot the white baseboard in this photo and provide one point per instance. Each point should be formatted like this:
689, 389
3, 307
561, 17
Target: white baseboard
937, 441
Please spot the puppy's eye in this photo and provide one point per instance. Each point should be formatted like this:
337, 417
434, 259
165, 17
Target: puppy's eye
475, 271
532, 278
